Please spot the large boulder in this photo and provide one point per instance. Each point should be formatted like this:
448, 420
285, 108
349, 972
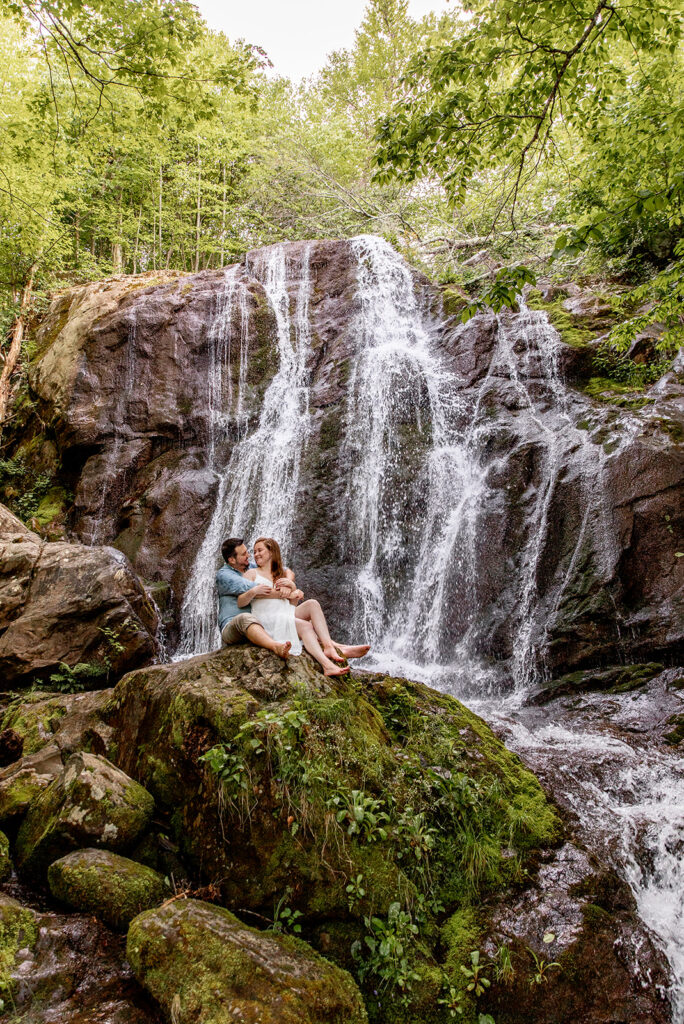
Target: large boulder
90, 803
204, 965
69, 721
67, 603
112, 887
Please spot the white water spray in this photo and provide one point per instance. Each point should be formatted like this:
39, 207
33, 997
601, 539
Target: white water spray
258, 486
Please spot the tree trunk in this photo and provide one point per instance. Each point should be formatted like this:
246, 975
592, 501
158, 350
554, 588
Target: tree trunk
198, 217
161, 183
77, 237
15, 347
223, 218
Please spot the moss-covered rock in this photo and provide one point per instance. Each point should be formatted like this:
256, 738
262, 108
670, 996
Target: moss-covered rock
112, 887
91, 803
334, 799
18, 930
35, 717
19, 787
5, 862
202, 964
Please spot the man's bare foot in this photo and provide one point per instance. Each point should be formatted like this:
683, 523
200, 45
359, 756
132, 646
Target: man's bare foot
333, 654
336, 670
351, 651
283, 650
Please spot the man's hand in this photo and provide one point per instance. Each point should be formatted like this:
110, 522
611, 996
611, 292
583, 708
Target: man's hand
261, 590
296, 596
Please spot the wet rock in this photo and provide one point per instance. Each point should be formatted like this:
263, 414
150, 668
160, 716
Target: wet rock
576, 949
91, 803
56, 599
68, 970
70, 721
112, 887
617, 679
202, 964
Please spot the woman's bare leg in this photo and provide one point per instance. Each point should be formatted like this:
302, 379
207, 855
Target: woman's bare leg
311, 611
352, 650
307, 635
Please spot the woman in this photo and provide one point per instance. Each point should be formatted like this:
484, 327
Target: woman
278, 617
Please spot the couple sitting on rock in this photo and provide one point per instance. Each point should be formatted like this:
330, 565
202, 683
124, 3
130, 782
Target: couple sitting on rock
262, 606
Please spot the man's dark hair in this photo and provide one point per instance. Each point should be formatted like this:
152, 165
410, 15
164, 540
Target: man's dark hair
229, 546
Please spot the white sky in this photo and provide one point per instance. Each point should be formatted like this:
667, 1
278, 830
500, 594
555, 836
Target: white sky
296, 34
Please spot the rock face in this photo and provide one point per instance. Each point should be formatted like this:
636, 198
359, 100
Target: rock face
113, 888
91, 803
202, 964
69, 969
60, 602
149, 383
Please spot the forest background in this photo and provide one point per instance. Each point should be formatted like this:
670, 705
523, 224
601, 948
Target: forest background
500, 141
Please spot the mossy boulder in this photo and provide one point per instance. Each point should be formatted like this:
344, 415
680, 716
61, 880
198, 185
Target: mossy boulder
20, 786
202, 964
18, 930
112, 887
35, 717
91, 803
336, 799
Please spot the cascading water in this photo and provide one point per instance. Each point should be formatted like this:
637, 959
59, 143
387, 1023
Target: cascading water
626, 800
258, 485
423, 472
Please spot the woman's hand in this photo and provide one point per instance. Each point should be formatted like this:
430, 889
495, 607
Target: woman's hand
296, 596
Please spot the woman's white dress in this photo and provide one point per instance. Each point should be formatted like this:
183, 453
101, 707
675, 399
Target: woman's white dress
277, 618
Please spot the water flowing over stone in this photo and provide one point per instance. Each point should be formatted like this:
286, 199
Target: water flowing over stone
258, 486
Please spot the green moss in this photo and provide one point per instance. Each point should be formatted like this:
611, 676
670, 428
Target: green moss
460, 935
5, 862
205, 960
17, 795
113, 888
35, 717
675, 735
605, 389
52, 506
17, 931
570, 328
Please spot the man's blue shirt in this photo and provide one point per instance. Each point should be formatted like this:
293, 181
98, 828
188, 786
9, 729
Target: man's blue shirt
230, 584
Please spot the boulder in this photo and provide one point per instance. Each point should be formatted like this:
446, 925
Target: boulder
91, 803
70, 721
112, 887
18, 937
202, 964
67, 603
22, 782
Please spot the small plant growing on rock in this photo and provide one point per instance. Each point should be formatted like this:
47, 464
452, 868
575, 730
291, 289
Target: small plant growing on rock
477, 982
355, 891
541, 969
362, 815
285, 919
388, 946
452, 1001
86, 675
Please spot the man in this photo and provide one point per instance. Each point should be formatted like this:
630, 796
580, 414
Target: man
236, 622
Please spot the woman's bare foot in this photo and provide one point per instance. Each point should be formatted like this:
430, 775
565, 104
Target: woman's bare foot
351, 651
332, 653
336, 670
283, 650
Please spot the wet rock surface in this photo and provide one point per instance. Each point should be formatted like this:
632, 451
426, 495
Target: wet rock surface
70, 969
202, 964
57, 598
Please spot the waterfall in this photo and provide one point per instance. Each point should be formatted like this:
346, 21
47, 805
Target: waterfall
258, 484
